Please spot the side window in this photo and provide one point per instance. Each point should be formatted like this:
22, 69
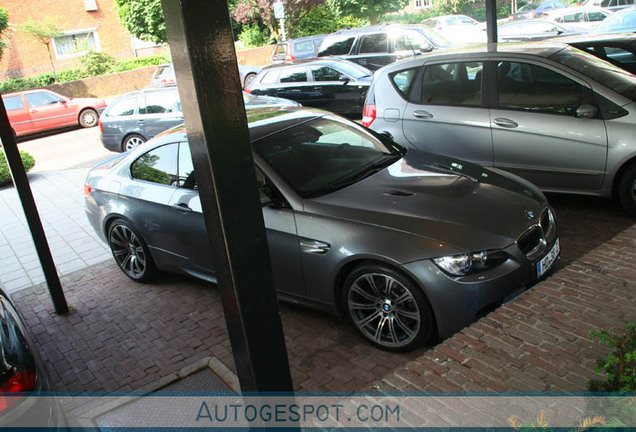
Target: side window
297, 74
41, 99
186, 169
269, 77
157, 166
162, 103
124, 107
375, 43
573, 17
13, 103
595, 16
336, 45
403, 80
452, 84
619, 55
325, 73
534, 88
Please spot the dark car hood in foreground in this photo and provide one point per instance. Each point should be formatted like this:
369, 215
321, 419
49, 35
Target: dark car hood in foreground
477, 210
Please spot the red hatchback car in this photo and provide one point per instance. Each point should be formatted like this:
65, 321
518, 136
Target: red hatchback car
40, 110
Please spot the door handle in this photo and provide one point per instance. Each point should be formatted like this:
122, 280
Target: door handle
422, 114
34, 110
182, 207
507, 123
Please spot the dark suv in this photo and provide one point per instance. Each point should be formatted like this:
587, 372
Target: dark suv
375, 46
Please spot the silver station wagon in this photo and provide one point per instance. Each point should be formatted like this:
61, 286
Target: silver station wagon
408, 244
548, 112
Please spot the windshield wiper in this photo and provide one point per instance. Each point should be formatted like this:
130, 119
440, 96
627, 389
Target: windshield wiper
367, 171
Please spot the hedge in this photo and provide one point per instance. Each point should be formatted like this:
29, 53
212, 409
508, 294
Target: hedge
44, 79
5, 175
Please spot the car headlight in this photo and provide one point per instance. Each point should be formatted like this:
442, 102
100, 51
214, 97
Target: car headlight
470, 262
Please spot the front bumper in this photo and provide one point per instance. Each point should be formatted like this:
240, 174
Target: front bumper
458, 301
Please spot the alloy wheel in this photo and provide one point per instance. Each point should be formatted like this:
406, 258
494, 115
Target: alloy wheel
128, 251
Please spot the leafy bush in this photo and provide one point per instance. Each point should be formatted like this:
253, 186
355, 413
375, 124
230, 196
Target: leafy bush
619, 367
95, 64
253, 36
5, 175
321, 20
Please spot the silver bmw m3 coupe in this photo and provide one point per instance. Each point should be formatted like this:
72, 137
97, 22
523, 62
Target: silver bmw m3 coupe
407, 244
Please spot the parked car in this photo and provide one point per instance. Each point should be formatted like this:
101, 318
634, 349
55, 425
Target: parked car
24, 382
618, 49
458, 28
577, 17
356, 224
533, 30
134, 118
296, 49
535, 10
434, 37
164, 75
561, 118
610, 5
623, 21
339, 86
33, 111
374, 46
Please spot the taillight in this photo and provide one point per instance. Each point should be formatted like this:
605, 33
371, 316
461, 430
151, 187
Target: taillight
20, 382
101, 126
289, 57
248, 90
368, 115
87, 190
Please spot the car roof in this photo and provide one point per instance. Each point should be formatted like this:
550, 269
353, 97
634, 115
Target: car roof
540, 49
300, 39
262, 122
149, 90
322, 60
627, 38
29, 91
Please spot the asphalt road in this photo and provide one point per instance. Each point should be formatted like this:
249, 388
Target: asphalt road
584, 222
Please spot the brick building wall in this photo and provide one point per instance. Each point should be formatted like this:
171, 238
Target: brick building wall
26, 57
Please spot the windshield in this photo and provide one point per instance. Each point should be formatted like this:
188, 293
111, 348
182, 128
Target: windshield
599, 70
353, 69
324, 155
618, 22
529, 7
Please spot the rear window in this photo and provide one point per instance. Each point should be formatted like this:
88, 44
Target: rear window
304, 46
336, 45
13, 103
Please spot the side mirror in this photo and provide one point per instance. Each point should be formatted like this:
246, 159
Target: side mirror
344, 79
265, 199
586, 111
426, 48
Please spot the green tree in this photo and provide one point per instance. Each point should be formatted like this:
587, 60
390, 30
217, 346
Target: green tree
4, 24
143, 19
43, 32
366, 9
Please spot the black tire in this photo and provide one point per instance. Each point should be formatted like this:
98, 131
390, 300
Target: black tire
88, 118
132, 141
387, 308
627, 190
248, 79
130, 252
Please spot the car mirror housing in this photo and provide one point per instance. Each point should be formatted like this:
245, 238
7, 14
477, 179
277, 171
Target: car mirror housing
586, 111
344, 79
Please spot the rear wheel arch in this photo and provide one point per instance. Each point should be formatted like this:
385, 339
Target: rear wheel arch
129, 136
618, 193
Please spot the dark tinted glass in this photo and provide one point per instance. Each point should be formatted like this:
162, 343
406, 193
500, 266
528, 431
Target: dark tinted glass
534, 88
124, 107
325, 73
13, 103
452, 84
375, 43
297, 74
158, 166
403, 80
336, 45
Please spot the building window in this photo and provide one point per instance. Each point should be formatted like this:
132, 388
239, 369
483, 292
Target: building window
423, 4
76, 43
